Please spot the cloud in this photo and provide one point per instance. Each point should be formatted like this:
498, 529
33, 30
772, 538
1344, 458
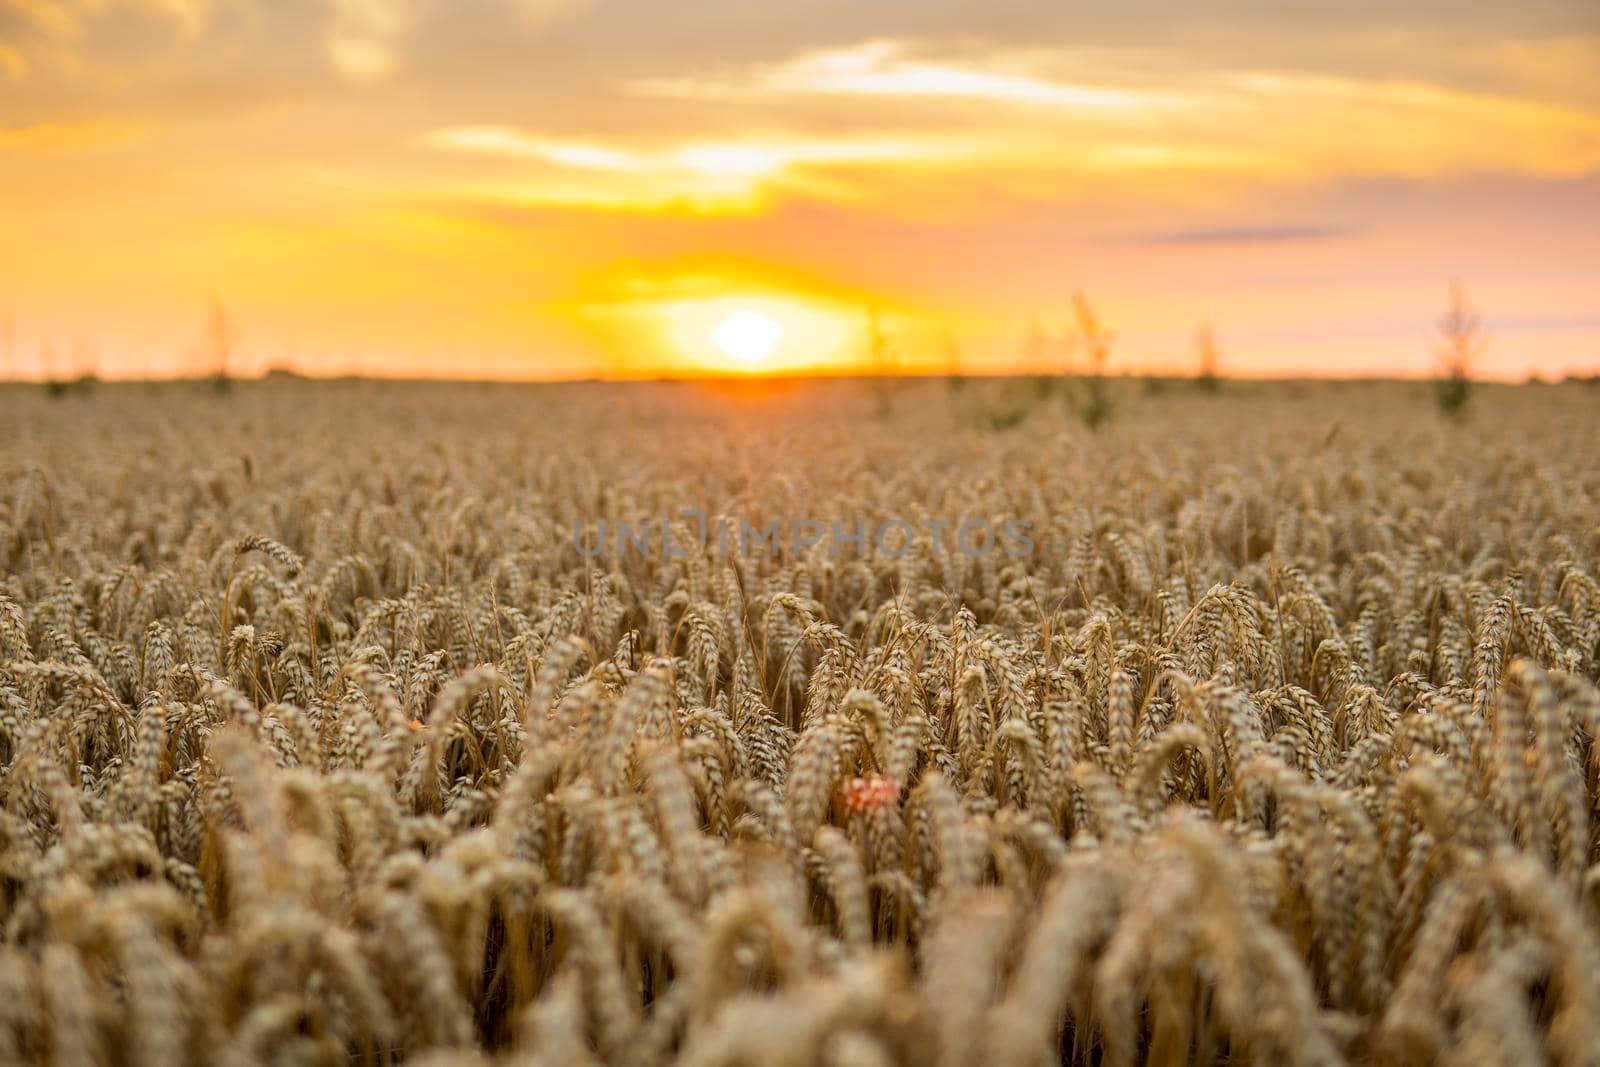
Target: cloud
891, 69
68, 137
47, 35
1104, 112
745, 156
49, 19
539, 13
1544, 323
727, 172
512, 143
190, 15
1241, 235
66, 20
12, 65
363, 40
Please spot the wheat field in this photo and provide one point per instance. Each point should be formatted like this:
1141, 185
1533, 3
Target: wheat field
325, 741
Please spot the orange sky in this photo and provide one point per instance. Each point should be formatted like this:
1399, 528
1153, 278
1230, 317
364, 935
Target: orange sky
529, 188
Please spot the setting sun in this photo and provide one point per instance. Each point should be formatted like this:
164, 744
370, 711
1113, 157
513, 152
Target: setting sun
749, 336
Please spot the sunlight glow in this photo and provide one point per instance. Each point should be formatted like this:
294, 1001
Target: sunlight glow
733, 161
749, 336
739, 331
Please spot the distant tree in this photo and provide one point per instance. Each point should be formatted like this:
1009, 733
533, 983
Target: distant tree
57, 378
1094, 341
1044, 356
8, 345
954, 363
1041, 348
1207, 377
221, 342
880, 359
84, 366
70, 373
880, 347
1035, 345
1461, 343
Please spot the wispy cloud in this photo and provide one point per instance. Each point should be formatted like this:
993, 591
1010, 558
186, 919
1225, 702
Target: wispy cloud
893, 69
363, 40
1255, 234
540, 13
1543, 323
66, 20
12, 65
511, 143
1089, 112
744, 156
695, 169
65, 137
366, 37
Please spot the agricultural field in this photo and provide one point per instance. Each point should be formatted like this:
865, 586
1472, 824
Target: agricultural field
342, 723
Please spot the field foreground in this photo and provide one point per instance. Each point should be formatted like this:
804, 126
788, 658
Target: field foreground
323, 742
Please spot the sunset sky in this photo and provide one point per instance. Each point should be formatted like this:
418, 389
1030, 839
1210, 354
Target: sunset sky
530, 188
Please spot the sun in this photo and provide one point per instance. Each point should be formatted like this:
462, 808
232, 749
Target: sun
749, 336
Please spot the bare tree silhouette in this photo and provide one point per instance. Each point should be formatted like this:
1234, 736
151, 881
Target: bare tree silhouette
1461, 343
1094, 408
